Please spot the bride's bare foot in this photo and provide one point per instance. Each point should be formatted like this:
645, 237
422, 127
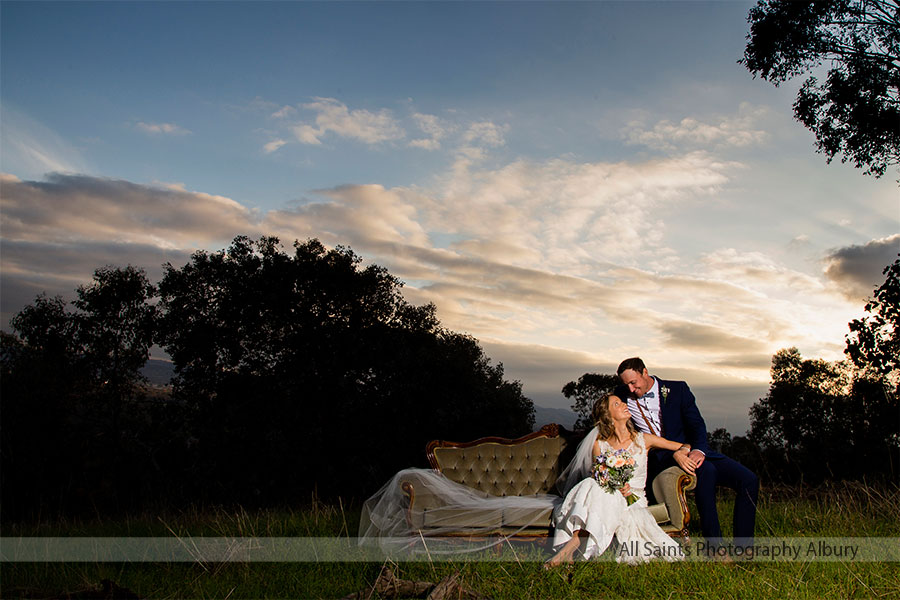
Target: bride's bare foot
564, 556
566, 553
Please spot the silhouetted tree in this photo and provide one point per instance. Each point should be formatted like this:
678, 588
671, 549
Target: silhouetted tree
293, 372
84, 436
720, 440
308, 370
39, 387
874, 347
115, 326
820, 420
856, 110
589, 388
803, 420
874, 341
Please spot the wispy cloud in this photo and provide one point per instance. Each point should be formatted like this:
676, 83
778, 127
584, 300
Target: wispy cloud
284, 112
434, 129
161, 128
31, 149
273, 146
466, 141
335, 117
692, 133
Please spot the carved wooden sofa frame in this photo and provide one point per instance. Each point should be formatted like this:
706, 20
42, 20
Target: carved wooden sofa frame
524, 466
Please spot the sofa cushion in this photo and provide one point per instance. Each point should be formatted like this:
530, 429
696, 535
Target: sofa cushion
503, 469
461, 518
527, 517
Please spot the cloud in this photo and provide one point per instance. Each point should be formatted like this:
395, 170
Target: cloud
284, 112
570, 213
557, 253
858, 270
273, 146
691, 133
33, 267
81, 207
467, 141
31, 149
433, 128
698, 336
161, 128
361, 125
485, 133
757, 270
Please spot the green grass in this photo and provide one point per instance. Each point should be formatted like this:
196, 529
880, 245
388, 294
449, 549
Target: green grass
849, 510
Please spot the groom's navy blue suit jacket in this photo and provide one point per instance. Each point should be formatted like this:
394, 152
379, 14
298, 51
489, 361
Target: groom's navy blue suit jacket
680, 417
681, 422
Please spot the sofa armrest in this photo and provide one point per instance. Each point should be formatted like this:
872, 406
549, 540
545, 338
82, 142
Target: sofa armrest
670, 487
420, 500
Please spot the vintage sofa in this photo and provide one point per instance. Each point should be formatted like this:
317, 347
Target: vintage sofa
524, 466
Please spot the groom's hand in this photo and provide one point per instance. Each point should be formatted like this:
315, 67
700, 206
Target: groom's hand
698, 458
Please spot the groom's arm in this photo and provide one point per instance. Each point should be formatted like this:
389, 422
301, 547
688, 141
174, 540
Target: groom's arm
694, 425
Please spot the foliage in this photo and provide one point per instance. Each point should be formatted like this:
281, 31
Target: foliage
874, 341
837, 420
72, 386
820, 420
856, 110
294, 372
115, 325
589, 388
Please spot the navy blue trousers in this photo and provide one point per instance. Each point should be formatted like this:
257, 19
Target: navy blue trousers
712, 473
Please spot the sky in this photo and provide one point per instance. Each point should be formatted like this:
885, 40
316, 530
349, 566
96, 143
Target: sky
570, 183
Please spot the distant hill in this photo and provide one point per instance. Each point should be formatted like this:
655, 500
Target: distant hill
544, 415
158, 372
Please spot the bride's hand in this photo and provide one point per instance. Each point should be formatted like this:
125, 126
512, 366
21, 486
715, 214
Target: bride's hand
626, 490
686, 462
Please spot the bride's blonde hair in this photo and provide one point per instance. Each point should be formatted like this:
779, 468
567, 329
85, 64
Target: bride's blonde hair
606, 427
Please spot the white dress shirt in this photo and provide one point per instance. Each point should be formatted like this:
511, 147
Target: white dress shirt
645, 411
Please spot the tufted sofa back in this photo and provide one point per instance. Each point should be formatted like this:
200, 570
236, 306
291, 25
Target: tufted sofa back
503, 467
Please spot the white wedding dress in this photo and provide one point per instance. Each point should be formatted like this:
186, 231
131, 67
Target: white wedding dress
604, 515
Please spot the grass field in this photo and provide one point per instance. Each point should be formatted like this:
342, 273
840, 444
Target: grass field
846, 510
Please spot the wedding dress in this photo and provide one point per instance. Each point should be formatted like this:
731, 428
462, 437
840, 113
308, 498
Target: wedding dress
604, 515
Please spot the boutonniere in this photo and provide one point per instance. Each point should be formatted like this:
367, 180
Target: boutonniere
664, 392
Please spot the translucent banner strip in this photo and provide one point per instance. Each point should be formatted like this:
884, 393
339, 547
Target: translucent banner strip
492, 549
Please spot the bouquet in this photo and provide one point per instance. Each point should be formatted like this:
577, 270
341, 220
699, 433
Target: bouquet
613, 470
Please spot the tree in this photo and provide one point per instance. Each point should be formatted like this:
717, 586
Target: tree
806, 422
39, 387
823, 420
307, 369
115, 326
589, 388
720, 440
856, 111
874, 347
874, 341
72, 386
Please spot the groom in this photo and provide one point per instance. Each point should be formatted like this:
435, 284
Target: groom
668, 409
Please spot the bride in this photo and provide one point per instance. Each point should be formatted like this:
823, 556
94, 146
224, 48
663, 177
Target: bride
592, 515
